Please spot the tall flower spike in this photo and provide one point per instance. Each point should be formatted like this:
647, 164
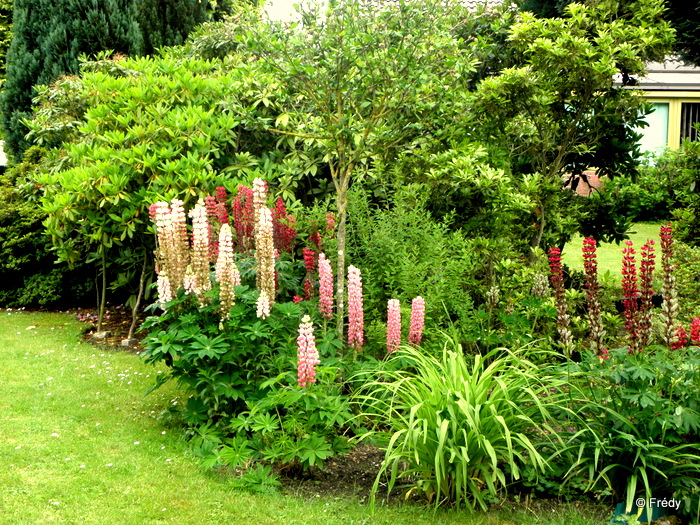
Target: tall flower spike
629, 294
356, 332
265, 255
172, 255
695, 331
681, 338
180, 244
221, 213
669, 308
415, 331
165, 294
244, 219
283, 226
595, 315
557, 279
393, 326
227, 274
212, 216
263, 306
200, 250
646, 291
307, 353
325, 288
259, 194
310, 265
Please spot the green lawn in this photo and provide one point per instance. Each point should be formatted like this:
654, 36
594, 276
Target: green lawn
83, 445
610, 255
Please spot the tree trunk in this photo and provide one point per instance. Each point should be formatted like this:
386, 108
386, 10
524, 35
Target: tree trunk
342, 205
139, 296
537, 239
103, 298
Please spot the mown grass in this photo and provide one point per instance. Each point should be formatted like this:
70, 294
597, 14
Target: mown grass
81, 444
610, 254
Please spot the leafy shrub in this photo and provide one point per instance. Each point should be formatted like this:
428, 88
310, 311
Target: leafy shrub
225, 363
660, 189
463, 427
294, 427
404, 253
640, 423
687, 259
27, 265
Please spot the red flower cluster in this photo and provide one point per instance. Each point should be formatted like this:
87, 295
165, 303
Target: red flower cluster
221, 197
630, 293
669, 308
244, 219
315, 239
557, 279
681, 339
595, 316
310, 264
695, 331
646, 273
283, 228
212, 215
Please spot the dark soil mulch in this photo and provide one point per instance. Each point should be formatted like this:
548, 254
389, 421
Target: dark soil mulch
348, 475
116, 321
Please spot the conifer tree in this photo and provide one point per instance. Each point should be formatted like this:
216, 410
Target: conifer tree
50, 35
5, 32
168, 22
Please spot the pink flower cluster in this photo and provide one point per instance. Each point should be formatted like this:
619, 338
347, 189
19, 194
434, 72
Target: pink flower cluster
325, 287
356, 334
415, 330
307, 354
393, 326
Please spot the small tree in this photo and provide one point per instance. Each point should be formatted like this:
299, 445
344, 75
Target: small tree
361, 82
559, 105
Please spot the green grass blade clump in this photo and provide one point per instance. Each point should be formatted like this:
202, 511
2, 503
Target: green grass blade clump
460, 427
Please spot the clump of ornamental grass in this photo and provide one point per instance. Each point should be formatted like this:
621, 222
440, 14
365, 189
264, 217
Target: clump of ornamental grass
457, 428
